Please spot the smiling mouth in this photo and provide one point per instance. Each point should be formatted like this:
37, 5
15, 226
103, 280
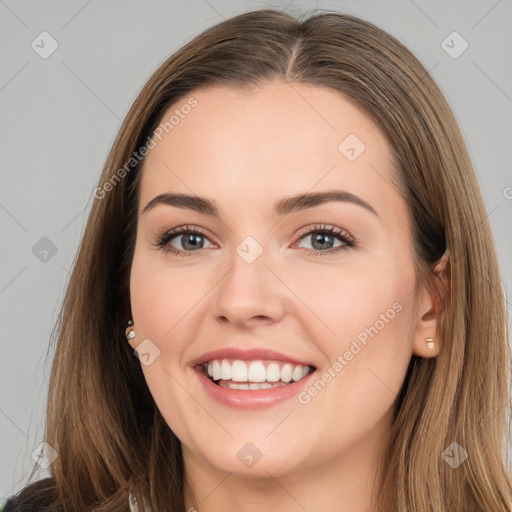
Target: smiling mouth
257, 374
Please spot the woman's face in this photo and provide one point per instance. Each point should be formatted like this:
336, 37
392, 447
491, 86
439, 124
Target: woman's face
272, 281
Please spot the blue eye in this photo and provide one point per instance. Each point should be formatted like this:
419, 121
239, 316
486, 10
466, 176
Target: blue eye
193, 240
324, 237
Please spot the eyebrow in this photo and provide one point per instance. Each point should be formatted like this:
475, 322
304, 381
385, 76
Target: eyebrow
282, 207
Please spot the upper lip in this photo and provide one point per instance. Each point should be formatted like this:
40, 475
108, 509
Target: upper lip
246, 355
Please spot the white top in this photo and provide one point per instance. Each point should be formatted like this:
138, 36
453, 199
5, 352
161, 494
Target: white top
134, 506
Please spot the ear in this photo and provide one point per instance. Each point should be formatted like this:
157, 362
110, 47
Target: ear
432, 298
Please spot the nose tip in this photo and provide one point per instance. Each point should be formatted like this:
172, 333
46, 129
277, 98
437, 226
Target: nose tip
249, 293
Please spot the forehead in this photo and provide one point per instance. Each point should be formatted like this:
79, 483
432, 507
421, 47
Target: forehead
252, 147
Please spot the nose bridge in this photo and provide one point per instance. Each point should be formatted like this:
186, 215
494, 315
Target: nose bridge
250, 289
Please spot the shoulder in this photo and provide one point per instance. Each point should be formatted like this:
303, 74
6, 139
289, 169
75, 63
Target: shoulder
33, 498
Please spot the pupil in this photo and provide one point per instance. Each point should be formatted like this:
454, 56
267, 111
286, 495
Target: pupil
322, 239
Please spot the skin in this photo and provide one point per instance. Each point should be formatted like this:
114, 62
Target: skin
244, 151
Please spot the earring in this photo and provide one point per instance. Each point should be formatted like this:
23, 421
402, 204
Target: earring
430, 343
130, 332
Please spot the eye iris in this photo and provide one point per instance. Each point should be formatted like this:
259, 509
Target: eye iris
190, 241
323, 239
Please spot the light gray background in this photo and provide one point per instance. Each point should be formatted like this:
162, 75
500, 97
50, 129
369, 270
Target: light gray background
59, 117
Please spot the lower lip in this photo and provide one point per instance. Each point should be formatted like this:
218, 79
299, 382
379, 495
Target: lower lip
251, 399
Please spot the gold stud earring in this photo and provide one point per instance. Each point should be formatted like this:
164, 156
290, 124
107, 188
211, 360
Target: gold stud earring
430, 343
130, 332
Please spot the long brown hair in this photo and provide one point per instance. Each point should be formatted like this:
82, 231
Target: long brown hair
101, 417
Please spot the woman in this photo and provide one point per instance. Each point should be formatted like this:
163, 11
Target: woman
289, 236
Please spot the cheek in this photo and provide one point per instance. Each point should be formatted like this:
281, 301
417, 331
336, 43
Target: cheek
371, 312
367, 319
367, 357
161, 296
347, 302
162, 306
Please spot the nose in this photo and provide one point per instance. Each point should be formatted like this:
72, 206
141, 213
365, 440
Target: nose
250, 294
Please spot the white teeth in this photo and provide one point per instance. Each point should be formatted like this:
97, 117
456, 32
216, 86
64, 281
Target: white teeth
273, 373
252, 385
286, 373
238, 371
259, 385
254, 374
225, 373
216, 370
297, 373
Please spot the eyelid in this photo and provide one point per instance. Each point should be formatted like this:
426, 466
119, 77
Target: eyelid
169, 234
326, 227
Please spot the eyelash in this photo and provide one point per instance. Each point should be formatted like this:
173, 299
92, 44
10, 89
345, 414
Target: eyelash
163, 240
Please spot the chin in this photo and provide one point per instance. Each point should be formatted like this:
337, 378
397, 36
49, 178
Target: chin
252, 460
